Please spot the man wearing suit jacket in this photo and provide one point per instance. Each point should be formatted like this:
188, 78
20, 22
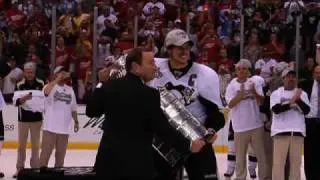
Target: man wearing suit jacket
311, 141
132, 117
4, 69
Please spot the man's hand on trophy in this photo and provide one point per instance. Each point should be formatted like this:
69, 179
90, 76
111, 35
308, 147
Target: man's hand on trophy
104, 74
214, 137
197, 145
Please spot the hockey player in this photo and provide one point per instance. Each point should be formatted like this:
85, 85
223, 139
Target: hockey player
197, 86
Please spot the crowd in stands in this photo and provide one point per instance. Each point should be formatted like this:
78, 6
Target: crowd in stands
25, 34
213, 26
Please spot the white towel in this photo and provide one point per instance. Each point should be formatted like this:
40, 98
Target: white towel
35, 104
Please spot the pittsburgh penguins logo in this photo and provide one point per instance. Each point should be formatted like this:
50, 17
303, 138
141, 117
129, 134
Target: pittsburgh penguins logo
158, 73
186, 92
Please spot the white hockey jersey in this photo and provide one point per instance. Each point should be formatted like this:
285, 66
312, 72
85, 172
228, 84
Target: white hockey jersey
2, 102
200, 80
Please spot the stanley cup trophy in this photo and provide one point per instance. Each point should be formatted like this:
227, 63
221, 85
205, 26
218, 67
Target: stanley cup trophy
182, 120
179, 118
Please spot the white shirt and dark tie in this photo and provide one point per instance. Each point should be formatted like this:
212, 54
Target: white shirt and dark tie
315, 101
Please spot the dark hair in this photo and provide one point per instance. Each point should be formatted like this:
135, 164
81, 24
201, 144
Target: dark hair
134, 56
314, 67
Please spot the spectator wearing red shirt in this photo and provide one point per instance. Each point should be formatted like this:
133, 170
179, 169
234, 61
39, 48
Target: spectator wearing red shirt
210, 43
84, 56
126, 38
83, 62
203, 58
62, 55
157, 20
224, 60
32, 55
15, 17
276, 48
39, 18
122, 7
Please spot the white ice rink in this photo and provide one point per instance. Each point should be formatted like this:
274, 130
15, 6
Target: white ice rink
79, 158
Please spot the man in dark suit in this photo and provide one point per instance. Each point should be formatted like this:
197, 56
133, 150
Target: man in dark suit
132, 117
311, 141
4, 68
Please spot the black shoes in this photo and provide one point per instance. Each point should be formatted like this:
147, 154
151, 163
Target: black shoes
253, 173
1, 175
229, 173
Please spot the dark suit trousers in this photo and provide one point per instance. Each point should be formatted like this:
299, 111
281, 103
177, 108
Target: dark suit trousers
312, 149
202, 165
199, 166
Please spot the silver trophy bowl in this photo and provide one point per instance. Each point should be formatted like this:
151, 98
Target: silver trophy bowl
181, 119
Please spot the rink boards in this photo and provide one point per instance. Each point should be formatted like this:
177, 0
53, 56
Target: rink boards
89, 133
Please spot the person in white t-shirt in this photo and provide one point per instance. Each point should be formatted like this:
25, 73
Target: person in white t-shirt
147, 9
266, 66
242, 96
9, 81
105, 15
252, 164
59, 110
289, 105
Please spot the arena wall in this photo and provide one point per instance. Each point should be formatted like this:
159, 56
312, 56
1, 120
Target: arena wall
89, 133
